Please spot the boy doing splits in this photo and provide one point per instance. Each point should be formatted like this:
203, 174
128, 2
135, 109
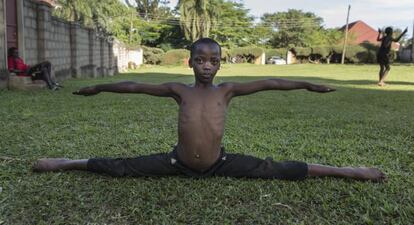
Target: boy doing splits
202, 112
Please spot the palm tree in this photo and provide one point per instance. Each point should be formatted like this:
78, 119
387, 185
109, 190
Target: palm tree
197, 17
75, 10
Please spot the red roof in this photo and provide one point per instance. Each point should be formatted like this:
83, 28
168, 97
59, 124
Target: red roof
361, 32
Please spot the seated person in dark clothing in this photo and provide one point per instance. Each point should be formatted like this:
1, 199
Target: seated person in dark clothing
383, 56
41, 71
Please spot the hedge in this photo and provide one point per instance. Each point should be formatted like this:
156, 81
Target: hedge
152, 55
246, 54
362, 53
175, 57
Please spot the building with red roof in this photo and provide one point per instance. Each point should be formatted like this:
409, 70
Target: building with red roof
360, 32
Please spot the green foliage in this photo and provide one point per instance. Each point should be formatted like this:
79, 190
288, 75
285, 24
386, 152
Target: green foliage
363, 53
282, 52
97, 14
291, 28
302, 51
225, 54
197, 17
296, 28
175, 57
235, 27
322, 51
152, 55
246, 54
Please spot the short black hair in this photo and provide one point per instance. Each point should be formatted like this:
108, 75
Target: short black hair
388, 30
203, 41
11, 50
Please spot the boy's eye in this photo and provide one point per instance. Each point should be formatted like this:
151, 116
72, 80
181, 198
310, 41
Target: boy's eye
198, 60
214, 61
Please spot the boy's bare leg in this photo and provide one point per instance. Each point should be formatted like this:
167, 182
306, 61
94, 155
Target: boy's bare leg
386, 71
381, 73
358, 173
45, 165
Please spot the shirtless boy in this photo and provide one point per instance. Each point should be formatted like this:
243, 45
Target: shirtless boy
384, 52
202, 113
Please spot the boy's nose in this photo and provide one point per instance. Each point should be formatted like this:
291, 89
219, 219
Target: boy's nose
207, 66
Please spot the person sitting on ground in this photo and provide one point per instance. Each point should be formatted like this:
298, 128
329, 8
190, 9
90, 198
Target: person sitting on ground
201, 119
384, 52
41, 71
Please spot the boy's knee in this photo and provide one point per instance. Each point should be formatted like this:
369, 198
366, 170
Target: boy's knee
112, 167
291, 170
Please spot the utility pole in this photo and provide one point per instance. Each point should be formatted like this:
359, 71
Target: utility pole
346, 36
412, 45
130, 26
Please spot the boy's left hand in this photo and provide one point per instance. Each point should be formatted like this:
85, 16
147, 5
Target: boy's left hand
406, 29
319, 88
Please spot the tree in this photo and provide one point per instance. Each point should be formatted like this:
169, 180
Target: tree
292, 28
197, 17
74, 10
151, 9
235, 27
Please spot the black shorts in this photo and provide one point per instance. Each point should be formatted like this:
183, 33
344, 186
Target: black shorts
383, 58
228, 165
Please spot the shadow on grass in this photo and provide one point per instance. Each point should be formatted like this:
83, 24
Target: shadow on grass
372, 82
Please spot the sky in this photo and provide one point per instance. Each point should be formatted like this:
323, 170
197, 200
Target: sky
376, 13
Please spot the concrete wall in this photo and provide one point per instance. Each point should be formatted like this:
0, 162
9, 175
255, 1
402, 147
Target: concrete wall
30, 53
74, 51
3, 66
124, 56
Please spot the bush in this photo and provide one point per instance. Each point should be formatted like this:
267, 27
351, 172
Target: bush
362, 53
322, 51
175, 57
302, 51
152, 55
225, 54
246, 54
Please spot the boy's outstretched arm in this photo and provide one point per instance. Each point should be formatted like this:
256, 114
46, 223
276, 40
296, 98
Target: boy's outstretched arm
238, 89
161, 90
401, 35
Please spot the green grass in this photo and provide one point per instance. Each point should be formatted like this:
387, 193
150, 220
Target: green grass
359, 125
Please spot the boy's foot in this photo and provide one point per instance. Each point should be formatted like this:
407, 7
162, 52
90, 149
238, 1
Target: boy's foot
381, 84
55, 88
365, 173
45, 165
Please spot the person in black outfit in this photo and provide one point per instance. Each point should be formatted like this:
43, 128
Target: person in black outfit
384, 56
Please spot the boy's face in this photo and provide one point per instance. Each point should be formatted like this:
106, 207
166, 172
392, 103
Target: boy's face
205, 62
15, 53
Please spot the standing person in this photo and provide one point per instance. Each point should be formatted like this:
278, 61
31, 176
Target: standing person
201, 119
383, 56
41, 71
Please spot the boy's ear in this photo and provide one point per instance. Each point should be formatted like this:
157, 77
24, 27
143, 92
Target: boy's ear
189, 63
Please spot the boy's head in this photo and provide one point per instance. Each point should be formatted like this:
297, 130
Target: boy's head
388, 30
205, 55
13, 52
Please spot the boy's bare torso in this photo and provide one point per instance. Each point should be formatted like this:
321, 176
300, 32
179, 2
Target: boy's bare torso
201, 119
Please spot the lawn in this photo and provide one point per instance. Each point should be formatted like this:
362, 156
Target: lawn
359, 125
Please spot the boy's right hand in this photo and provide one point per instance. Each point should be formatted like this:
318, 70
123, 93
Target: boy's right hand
87, 91
319, 88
